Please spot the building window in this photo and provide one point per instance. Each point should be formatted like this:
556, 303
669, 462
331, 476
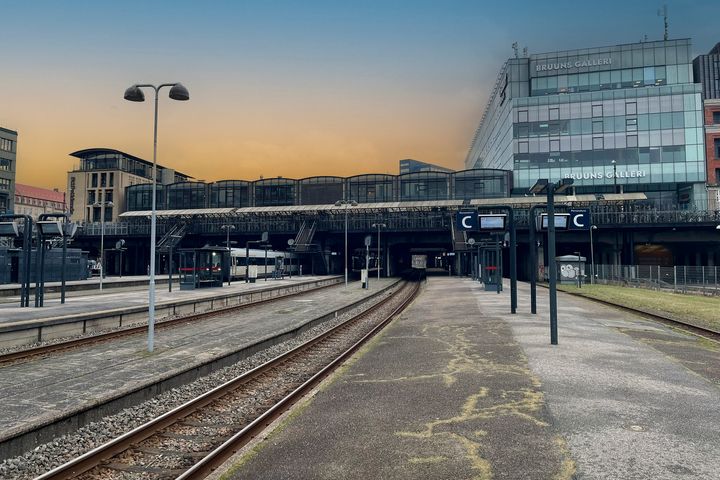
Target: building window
91, 197
523, 147
632, 141
4, 184
631, 124
5, 164
522, 116
597, 126
103, 179
523, 131
111, 182
630, 108
598, 143
94, 180
554, 145
717, 176
716, 117
7, 145
108, 195
716, 149
597, 110
554, 114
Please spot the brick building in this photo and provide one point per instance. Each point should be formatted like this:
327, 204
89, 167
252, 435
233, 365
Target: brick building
706, 70
33, 201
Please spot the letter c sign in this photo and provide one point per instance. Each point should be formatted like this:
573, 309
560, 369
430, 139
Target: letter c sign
579, 219
466, 220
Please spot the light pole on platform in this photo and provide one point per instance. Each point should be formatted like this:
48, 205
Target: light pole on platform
135, 94
227, 229
379, 226
346, 204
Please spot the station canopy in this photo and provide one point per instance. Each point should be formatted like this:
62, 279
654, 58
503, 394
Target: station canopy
385, 206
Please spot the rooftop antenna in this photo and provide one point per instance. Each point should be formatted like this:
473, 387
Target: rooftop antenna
525, 54
663, 13
515, 48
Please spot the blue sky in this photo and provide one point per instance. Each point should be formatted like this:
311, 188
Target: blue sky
286, 88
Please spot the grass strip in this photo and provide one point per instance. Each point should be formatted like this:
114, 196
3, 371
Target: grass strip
700, 310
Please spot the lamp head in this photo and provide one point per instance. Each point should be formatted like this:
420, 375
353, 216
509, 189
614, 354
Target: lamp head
563, 185
134, 94
179, 92
540, 186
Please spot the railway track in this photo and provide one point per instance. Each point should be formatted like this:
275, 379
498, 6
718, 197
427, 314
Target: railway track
54, 347
193, 439
701, 331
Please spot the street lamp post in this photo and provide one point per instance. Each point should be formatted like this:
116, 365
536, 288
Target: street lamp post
592, 255
346, 203
379, 226
102, 206
135, 94
227, 229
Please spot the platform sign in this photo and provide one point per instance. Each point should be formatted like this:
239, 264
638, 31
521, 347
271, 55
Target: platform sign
492, 221
579, 219
467, 220
561, 221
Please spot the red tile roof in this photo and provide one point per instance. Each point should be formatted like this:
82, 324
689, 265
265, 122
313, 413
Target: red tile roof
39, 193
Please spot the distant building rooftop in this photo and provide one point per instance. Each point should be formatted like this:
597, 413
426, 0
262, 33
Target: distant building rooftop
39, 193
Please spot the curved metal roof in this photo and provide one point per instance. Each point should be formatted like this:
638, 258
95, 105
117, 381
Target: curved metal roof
82, 154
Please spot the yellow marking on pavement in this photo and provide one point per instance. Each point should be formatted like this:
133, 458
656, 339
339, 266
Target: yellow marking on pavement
462, 360
567, 467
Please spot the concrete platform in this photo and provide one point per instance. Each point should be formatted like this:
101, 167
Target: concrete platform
460, 388
109, 309
44, 389
11, 291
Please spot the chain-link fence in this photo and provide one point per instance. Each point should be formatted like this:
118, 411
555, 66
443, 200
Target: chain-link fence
680, 279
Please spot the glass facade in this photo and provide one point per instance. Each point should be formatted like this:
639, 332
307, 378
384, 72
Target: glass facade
273, 192
321, 190
371, 188
185, 195
139, 197
229, 194
627, 117
424, 186
481, 183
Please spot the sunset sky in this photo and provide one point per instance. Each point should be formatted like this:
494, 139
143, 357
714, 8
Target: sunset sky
291, 88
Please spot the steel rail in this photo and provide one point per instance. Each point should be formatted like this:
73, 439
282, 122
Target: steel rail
95, 457
218, 456
142, 329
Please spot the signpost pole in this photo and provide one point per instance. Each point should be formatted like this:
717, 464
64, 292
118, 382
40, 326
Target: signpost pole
552, 266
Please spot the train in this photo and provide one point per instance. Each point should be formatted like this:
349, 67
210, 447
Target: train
277, 261
419, 262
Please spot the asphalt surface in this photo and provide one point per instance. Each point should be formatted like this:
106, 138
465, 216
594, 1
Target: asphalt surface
458, 388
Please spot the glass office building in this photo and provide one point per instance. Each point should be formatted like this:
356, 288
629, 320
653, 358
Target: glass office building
625, 118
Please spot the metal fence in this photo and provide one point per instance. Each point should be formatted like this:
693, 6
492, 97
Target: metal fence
703, 280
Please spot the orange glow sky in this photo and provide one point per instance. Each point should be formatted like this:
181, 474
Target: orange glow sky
279, 87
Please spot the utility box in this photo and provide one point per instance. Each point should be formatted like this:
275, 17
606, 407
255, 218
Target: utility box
571, 269
252, 273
